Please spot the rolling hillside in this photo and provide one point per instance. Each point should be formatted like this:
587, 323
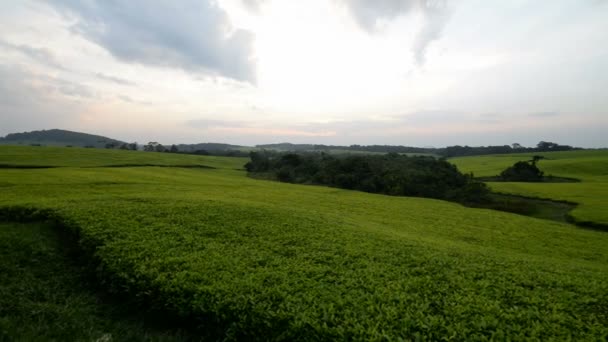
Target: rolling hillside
252, 259
590, 166
26, 156
58, 137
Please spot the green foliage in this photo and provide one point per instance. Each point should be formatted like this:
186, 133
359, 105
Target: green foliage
59, 137
522, 171
250, 259
590, 166
22, 156
44, 297
448, 152
391, 174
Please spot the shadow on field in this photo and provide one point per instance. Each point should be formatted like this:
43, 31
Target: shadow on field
48, 291
542, 208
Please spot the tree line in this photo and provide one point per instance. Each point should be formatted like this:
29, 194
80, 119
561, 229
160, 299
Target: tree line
448, 152
390, 174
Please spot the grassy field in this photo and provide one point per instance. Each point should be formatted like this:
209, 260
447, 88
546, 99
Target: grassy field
44, 294
246, 258
591, 167
26, 156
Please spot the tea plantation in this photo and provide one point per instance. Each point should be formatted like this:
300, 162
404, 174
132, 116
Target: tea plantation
235, 258
591, 167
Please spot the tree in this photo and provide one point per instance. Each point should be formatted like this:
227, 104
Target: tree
174, 149
151, 146
522, 171
536, 159
133, 146
159, 148
124, 146
390, 174
517, 146
546, 145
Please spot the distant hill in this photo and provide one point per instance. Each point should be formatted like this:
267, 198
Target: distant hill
448, 152
351, 148
211, 147
58, 137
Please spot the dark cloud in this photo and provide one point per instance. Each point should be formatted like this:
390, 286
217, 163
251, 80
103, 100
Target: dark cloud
191, 35
113, 79
368, 13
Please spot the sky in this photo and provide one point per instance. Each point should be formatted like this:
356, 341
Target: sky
396, 72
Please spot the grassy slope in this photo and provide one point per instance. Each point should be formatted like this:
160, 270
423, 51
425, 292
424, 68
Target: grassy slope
89, 157
589, 166
258, 258
43, 296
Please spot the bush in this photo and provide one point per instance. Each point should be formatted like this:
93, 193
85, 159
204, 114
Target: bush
522, 172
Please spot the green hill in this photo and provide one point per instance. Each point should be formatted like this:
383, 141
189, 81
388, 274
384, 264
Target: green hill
590, 166
26, 156
58, 137
246, 259
211, 147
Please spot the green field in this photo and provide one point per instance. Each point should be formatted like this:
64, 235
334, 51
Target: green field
44, 295
254, 259
591, 167
25, 156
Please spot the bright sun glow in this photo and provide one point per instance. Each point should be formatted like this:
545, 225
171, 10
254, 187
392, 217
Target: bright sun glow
313, 60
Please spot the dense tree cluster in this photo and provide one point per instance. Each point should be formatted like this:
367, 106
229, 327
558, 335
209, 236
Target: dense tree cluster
523, 171
543, 146
390, 174
359, 148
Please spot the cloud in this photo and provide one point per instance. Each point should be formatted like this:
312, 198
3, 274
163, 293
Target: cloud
208, 123
116, 80
252, 5
435, 16
73, 89
544, 114
369, 14
29, 101
192, 35
41, 55
260, 128
427, 117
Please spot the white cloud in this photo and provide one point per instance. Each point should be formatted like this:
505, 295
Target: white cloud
515, 71
193, 35
435, 14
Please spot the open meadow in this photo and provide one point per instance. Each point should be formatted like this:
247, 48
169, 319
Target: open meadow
589, 166
236, 258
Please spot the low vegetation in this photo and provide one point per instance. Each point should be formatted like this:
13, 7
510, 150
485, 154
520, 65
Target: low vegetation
45, 294
240, 258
